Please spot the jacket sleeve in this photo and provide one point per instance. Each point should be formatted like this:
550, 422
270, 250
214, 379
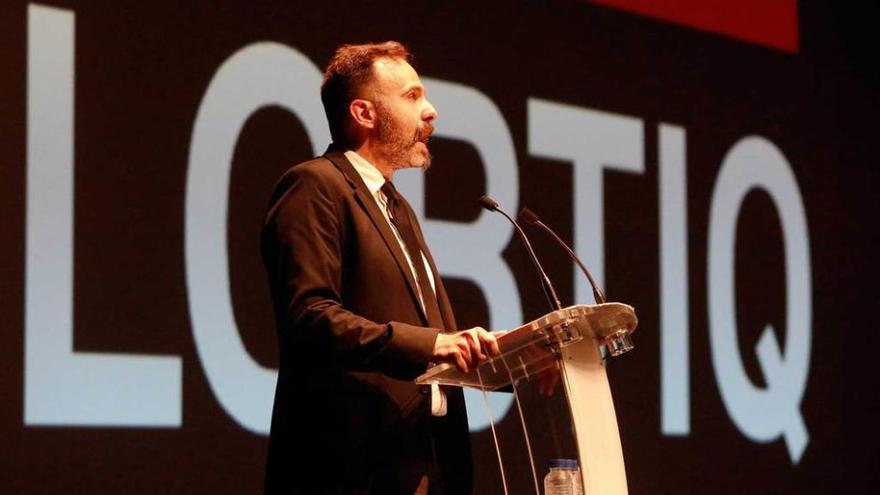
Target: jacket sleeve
303, 249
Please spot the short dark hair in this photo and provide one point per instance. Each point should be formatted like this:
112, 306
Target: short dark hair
347, 72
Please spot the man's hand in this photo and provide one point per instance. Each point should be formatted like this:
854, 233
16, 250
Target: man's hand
547, 381
466, 348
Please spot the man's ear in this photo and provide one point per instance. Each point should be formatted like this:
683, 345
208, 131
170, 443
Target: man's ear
363, 112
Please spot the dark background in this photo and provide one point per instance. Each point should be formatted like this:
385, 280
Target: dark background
142, 69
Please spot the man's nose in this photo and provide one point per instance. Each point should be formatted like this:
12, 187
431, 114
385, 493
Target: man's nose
429, 113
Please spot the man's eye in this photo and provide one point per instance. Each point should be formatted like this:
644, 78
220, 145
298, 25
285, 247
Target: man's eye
413, 96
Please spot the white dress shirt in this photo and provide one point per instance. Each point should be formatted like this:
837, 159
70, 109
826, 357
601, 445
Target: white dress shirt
374, 182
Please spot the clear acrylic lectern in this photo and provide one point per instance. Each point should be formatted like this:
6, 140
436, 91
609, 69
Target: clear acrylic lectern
571, 343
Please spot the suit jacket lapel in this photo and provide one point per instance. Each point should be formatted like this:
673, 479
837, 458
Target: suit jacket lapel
362, 193
442, 298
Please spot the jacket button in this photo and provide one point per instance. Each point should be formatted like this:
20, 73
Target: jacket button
425, 390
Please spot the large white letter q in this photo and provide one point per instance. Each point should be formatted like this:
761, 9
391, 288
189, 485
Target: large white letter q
762, 414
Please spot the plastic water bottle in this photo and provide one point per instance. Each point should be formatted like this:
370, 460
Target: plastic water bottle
564, 478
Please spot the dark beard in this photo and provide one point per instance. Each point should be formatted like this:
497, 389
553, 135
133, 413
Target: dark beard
400, 150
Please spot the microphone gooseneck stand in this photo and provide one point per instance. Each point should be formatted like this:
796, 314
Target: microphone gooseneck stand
553, 300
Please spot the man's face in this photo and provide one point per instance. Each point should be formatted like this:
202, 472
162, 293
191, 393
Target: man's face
404, 115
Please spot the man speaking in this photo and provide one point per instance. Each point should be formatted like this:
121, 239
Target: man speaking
359, 305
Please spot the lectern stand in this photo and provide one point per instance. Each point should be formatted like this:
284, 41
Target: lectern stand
575, 341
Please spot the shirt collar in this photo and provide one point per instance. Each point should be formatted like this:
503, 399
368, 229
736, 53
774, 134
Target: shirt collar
368, 172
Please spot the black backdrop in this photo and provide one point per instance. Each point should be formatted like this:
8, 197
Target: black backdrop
142, 70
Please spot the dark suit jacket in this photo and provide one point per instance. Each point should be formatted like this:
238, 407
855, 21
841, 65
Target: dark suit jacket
352, 334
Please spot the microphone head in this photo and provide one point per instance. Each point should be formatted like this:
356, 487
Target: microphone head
488, 203
528, 216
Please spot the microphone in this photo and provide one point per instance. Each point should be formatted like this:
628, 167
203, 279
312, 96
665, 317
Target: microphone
491, 205
529, 217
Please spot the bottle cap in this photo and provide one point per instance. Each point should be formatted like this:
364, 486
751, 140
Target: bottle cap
564, 463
